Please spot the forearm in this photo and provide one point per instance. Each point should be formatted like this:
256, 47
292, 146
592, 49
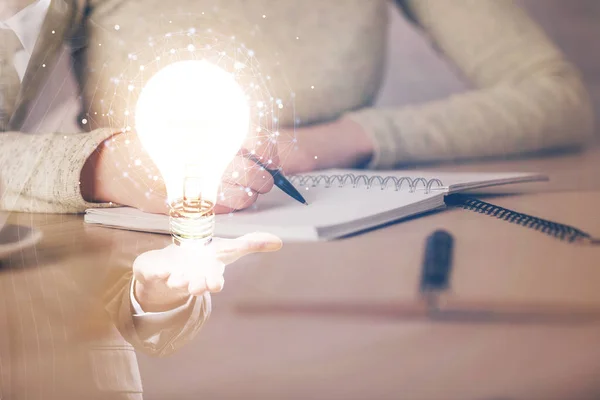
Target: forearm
542, 113
526, 96
42, 173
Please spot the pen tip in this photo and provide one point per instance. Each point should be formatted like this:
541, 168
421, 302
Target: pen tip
305, 203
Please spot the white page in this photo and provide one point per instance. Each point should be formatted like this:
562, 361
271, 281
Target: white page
326, 206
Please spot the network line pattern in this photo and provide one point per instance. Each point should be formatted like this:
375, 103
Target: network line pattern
273, 119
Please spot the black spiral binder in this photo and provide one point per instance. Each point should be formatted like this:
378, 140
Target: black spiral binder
560, 231
384, 182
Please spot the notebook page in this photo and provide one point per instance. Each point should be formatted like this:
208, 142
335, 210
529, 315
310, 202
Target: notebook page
326, 206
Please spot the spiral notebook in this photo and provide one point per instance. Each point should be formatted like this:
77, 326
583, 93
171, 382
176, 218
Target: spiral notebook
341, 203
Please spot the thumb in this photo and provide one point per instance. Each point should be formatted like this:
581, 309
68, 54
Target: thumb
229, 251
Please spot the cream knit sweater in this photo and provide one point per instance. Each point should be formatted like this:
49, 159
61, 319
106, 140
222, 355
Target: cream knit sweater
330, 54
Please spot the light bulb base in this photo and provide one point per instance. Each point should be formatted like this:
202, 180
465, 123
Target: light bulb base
192, 225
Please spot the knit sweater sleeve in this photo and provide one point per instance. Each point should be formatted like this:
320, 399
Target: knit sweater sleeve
526, 97
41, 173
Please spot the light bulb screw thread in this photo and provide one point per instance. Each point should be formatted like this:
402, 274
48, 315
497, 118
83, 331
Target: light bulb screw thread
192, 222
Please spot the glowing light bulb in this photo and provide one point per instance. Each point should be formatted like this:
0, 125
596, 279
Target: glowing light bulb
192, 117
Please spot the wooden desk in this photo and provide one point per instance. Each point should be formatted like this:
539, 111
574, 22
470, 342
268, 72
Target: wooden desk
241, 356
359, 357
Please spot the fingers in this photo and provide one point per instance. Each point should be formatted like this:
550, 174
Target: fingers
246, 173
230, 250
234, 197
264, 146
206, 283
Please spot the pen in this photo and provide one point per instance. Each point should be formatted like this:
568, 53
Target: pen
433, 302
437, 267
280, 181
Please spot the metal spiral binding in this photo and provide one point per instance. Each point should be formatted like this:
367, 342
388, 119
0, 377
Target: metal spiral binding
560, 231
368, 181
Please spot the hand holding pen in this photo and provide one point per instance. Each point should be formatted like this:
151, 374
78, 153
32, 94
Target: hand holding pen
278, 178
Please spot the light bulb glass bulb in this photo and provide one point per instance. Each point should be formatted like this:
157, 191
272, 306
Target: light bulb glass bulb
192, 117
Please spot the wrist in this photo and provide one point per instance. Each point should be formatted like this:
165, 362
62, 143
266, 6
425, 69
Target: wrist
362, 146
340, 144
151, 298
95, 173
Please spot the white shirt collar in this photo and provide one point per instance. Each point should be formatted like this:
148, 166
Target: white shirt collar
27, 23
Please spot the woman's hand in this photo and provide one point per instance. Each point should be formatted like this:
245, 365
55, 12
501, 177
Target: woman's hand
120, 171
166, 278
339, 144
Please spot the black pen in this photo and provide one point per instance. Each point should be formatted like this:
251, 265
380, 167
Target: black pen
280, 181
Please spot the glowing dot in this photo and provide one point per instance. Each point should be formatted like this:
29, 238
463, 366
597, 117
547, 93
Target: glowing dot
126, 112
249, 194
239, 65
280, 106
269, 162
125, 174
312, 87
138, 162
247, 190
258, 129
315, 157
84, 121
155, 177
172, 51
142, 67
192, 30
127, 141
253, 152
53, 32
264, 16
117, 27
259, 104
307, 188
157, 58
130, 88
297, 38
43, 65
64, 137
250, 53
191, 47
99, 44
277, 133
235, 174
